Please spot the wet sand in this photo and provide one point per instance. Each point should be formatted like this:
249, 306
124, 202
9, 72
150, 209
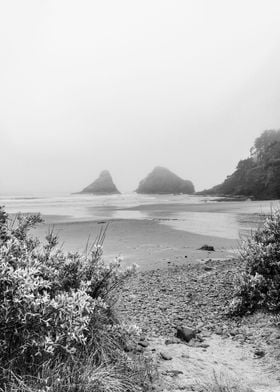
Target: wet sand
147, 243
155, 235
161, 234
256, 206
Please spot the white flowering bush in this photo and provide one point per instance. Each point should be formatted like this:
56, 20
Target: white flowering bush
55, 311
258, 286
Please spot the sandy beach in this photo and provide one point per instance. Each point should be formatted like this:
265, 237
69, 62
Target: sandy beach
147, 243
152, 232
178, 284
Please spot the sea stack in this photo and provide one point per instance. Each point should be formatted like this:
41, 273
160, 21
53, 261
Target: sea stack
103, 185
163, 181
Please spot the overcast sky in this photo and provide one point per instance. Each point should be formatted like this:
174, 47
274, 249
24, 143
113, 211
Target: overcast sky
128, 85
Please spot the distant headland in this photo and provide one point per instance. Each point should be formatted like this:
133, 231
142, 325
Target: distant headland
258, 176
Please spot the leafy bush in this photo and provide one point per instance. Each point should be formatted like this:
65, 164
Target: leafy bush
259, 285
57, 328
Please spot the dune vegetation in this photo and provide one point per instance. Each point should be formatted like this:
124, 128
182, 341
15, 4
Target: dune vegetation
58, 330
258, 286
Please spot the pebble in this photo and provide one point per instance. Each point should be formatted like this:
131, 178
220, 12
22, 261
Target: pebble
165, 356
259, 353
203, 345
171, 341
185, 333
173, 373
206, 268
143, 344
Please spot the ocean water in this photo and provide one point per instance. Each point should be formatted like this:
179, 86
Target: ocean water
84, 207
196, 214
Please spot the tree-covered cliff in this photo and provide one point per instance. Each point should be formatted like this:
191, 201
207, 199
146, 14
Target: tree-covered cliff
257, 176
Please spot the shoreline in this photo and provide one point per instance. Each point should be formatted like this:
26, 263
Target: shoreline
148, 243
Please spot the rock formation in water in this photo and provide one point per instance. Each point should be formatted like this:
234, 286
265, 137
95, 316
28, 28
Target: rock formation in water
257, 176
103, 185
163, 181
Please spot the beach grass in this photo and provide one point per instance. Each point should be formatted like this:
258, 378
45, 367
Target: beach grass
222, 383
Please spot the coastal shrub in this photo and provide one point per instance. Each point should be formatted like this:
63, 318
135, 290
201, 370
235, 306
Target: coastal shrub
258, 286
58, 330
